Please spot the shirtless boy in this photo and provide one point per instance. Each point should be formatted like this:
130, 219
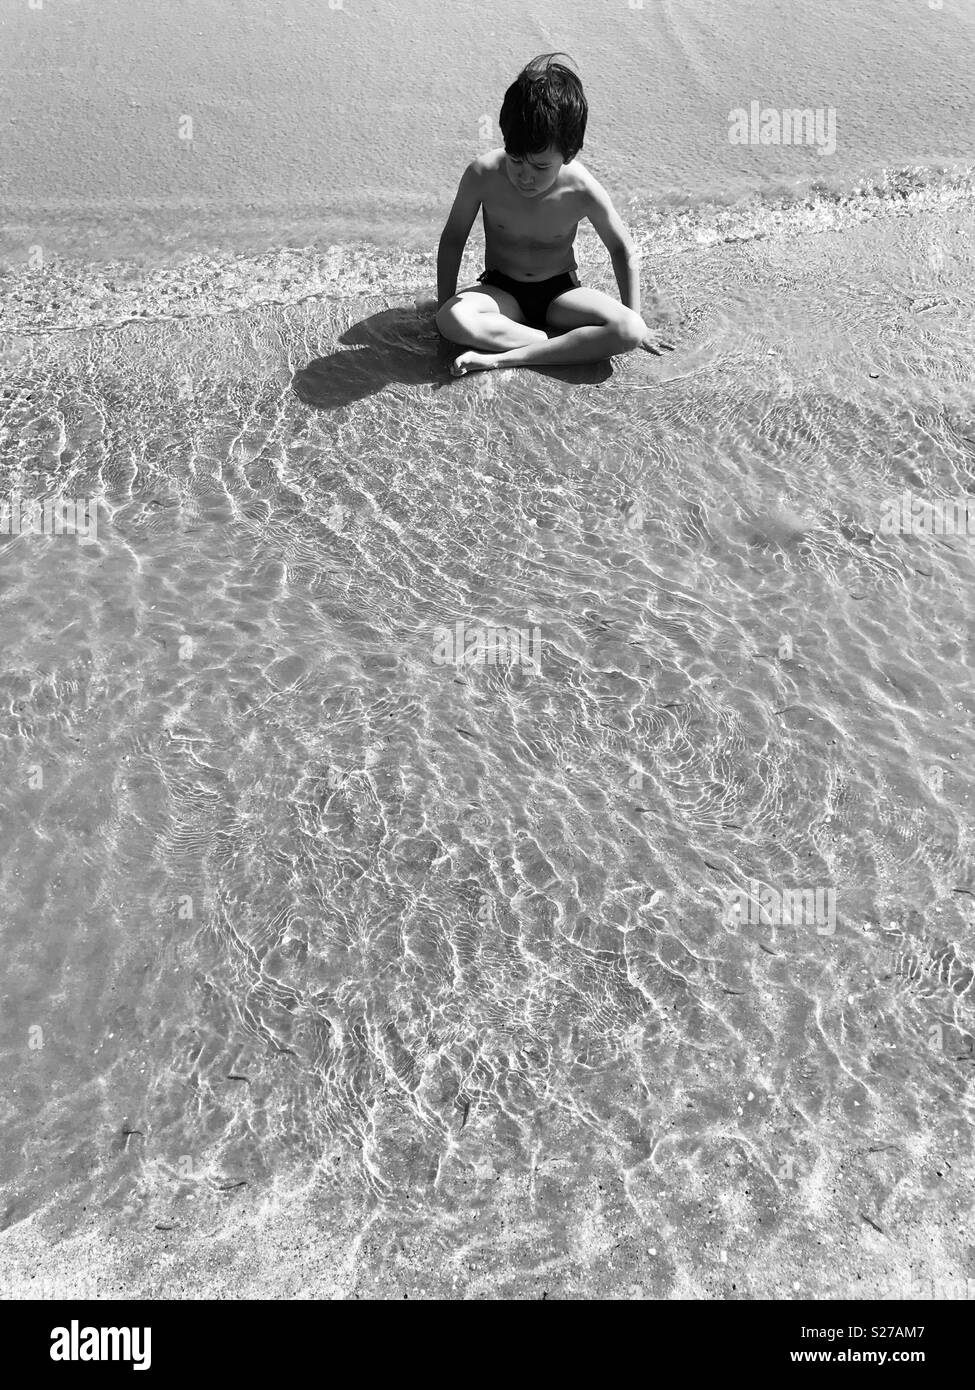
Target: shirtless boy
533, 194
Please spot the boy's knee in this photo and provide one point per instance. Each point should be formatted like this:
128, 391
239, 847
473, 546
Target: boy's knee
445, 317
451, 318
631, 329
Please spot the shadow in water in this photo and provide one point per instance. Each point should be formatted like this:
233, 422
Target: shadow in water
401, 346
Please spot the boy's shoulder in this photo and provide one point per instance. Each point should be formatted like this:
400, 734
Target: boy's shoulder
489, 163
578, 171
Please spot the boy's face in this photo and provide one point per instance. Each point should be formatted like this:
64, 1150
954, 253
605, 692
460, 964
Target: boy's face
535, 173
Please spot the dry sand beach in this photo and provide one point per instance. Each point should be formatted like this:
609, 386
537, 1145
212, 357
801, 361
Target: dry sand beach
331, 971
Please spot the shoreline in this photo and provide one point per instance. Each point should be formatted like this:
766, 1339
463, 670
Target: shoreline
64, 294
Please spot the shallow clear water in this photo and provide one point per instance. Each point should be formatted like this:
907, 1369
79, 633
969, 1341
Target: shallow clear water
447, 947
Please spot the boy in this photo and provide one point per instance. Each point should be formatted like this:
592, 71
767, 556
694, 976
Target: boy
533, 195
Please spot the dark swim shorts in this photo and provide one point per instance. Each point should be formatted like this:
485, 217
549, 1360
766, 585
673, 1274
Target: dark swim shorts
533, 297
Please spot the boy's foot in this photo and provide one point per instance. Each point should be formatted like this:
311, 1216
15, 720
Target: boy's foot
474, 362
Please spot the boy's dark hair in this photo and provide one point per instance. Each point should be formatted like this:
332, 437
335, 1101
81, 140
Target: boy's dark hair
545, 105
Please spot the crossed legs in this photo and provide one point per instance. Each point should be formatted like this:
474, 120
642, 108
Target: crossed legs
591, 326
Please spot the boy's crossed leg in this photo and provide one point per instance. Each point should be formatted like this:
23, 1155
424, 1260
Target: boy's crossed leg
591, 326
487, 318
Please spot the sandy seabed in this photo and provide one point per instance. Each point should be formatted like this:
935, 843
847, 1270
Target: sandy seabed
786, 1132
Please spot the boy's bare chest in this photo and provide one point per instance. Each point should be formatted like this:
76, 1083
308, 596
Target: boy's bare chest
544, 223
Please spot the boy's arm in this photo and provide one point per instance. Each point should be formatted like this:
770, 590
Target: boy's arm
454, 236
618, 242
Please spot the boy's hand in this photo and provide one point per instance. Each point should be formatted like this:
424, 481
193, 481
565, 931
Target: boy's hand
657, 346
657, 339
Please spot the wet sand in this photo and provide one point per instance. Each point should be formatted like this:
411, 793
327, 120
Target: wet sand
312, 125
